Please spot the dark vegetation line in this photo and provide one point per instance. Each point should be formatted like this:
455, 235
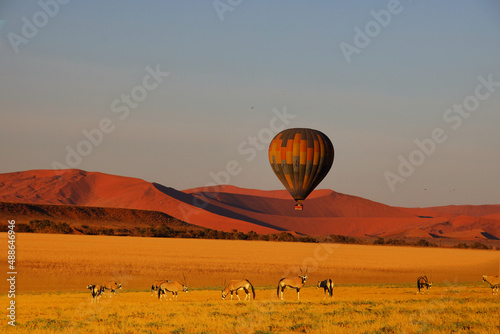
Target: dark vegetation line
164, 231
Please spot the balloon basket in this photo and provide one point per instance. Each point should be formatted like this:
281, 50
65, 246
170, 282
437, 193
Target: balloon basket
298, 207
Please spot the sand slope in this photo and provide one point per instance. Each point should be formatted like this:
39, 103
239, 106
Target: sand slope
228, 207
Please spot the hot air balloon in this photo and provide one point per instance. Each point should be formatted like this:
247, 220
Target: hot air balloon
301, 158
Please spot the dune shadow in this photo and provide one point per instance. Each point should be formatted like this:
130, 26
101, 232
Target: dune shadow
489, 236
209, 207
437, 236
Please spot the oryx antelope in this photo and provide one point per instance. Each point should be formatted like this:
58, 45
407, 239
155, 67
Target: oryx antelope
422, 282
494, 283
113, 286
156, 284
96, 291
296, 283
327, 286
173, 287
235, 285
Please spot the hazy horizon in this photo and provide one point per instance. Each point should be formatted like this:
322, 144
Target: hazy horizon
187, 94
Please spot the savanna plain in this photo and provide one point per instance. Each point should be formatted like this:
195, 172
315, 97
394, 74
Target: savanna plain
375, 287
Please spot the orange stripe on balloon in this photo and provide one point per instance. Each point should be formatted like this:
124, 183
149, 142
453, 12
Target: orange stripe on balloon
316, 152
296, 145
310, 153
272, 151
289, 152
277, 151
303, 152
306, 179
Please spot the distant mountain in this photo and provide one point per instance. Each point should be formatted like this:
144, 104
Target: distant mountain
228, 207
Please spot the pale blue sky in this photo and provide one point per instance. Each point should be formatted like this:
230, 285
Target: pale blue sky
226, 77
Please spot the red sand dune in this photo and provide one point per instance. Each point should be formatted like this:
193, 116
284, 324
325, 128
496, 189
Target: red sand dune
97, 189
228, 207
469, 210
321, 203
493, 216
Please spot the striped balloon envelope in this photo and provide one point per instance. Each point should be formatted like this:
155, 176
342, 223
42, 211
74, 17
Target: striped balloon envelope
301, 158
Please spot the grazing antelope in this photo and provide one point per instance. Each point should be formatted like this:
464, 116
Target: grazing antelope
235, 285
96, 291
327, 286
156, 284
422, 282
494, 283
113, 286
296, 283
173, 287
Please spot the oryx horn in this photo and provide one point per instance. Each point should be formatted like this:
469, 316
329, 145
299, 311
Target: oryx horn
184, 278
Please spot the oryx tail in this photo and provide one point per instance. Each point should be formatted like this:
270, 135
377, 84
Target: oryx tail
96, 291
253, 290
327, 286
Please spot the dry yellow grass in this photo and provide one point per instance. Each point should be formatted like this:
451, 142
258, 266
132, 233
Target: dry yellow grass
375, 287
70, 262
354, 309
